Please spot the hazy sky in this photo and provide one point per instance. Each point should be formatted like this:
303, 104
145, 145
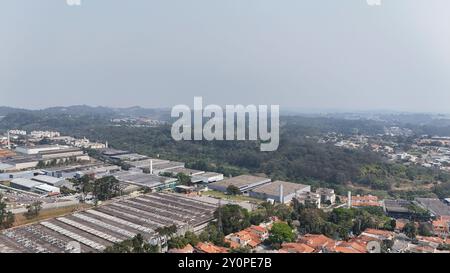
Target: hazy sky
315, 54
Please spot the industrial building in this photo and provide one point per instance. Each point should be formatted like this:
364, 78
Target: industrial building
129, 157
4, 167
436, 207
100, 227
24, 184
113, 152
52, 181
279, 191
46, 189
399, 209
142, 164
157, 166
244, 183
64, 154
326, 195
34, 150
166, 167
95, 170
309, 197
19, 163
207, 177
33, 186
144, 180
23, 174
186, 171
30, 157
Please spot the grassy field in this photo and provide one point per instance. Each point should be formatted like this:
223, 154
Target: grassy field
239, 198
48, 214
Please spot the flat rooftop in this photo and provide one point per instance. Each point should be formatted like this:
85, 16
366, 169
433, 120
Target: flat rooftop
28, 183
186, 171
21, 159
113, 152
209, 174
142, 179
129, 157
61, 151
273, 188
146, 162
47, 188
241, 181
397, 206
45, 146
100, 227
169, 165
46, 179
80, 167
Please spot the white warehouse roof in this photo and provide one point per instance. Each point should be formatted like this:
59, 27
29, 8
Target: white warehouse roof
47, 179
27, 183
47, 188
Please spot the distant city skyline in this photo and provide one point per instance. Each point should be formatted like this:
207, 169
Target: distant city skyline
310, 56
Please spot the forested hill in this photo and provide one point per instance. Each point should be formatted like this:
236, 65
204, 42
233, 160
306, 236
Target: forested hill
44, 116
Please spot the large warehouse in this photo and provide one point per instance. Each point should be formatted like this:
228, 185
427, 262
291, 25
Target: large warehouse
49, 180
100, 227
33, 186
243, 182
34, 150
145, 180
279, 191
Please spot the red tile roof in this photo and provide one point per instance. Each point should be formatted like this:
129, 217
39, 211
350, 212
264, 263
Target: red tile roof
351, 247
296, 248
210, 248
318, 242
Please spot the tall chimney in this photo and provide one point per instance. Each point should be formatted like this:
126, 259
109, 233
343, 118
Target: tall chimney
349, 200
281, 194
9, 141
151, 166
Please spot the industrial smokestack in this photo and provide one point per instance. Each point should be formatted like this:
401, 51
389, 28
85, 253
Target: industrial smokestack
349, 200
151, 166
9, 141
281, 194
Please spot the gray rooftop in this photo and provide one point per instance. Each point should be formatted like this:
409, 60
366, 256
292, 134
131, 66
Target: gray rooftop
131, 157
241, 181
168, 166
435, 206
397, 206
273, 188
142, 179
146, 162
26, 182
46, 179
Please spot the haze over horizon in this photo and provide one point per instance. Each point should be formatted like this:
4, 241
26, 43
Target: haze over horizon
321, 54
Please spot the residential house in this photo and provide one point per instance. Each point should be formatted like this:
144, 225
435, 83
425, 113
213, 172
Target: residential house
296, 248
249, 237
320, 243
210, 248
